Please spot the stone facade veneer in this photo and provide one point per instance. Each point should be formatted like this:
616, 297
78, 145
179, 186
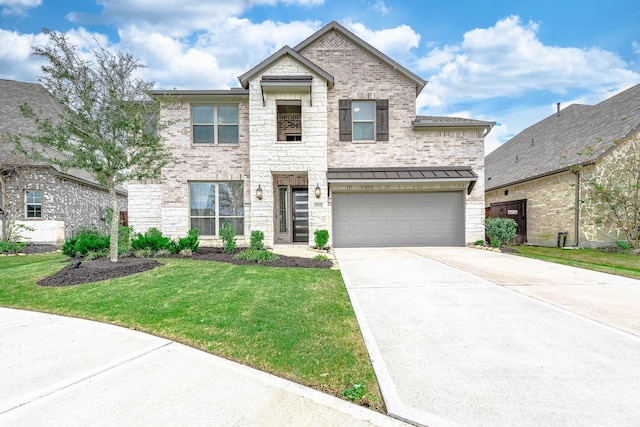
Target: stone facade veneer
550, 200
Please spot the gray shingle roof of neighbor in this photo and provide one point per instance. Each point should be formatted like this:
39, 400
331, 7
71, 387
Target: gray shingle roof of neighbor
562, 140
462, 173
12, 95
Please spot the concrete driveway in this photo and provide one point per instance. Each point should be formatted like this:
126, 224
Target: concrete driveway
470, 337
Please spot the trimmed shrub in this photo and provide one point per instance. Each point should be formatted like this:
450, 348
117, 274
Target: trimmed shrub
87, 240
321, 238
500, 230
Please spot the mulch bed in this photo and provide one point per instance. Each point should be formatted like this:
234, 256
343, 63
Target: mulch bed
35, 248
217, 254
103, 269
98, 269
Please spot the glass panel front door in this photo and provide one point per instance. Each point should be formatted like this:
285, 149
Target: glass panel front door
300, 214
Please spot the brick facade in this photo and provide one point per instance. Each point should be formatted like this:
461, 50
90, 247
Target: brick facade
67, 205
371, 80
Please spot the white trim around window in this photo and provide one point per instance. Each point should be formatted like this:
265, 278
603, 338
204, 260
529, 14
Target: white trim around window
33, 204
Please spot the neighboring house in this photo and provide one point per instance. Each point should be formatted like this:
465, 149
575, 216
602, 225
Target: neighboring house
535, 177
320, 136
54, 203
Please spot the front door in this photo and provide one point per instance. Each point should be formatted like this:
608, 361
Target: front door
300, 214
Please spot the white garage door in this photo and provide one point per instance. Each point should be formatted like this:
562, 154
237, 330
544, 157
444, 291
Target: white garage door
398, 219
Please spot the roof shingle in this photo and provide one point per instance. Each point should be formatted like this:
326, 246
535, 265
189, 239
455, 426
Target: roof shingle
559, 141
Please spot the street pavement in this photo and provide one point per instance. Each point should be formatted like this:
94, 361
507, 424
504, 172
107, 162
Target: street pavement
60, 371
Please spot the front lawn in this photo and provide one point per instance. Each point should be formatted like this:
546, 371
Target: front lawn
627, 265
296, 323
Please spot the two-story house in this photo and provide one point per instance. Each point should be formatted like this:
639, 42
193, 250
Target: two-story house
320, 136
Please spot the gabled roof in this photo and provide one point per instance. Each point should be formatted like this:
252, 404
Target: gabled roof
334, 26
562, 140
12, 95
246, 77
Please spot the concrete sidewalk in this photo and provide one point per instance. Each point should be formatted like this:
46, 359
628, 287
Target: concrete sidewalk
62, 371
452, 347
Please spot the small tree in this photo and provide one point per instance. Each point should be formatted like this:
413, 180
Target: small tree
612, 191
500, 230
108, 126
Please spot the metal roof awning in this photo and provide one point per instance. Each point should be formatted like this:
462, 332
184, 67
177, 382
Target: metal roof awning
411, 174
291, 84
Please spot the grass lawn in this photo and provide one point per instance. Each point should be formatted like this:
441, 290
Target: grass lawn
296, 323
627, 265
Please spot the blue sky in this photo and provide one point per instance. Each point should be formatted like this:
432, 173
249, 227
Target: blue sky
507, 61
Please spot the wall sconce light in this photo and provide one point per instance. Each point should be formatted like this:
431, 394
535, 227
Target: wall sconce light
259, 192
317, 191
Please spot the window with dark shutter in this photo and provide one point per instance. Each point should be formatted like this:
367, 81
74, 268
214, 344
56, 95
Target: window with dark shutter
382, 120
345, 120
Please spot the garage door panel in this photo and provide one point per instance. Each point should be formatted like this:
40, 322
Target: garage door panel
398, 219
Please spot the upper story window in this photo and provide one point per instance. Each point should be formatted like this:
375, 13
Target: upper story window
364, 120
33, 203
289, 120
363, 116
215, 124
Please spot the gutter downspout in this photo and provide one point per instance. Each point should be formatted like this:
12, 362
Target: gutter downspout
577, 215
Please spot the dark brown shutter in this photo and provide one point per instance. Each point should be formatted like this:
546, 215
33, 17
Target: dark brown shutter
345, 120
382, 120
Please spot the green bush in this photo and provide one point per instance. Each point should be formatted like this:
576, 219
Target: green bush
257, 240
623, 245
10, 247
321, 257
152, 239
257, 255
500, 230
190, 242
87, 240
227, 234
321, 238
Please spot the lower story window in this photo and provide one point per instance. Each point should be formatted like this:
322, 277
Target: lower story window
214, 203
33, 204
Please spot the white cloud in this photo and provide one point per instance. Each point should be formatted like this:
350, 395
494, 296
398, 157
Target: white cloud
508, 60
380, 7
209, 61
18, 7
396, 42
16, 61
